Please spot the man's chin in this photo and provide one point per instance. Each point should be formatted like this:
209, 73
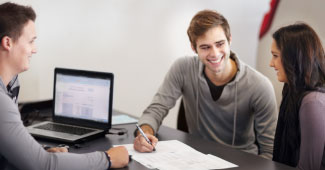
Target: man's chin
215, 70
24, 69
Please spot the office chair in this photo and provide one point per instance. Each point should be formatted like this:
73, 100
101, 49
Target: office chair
35, 111
181, 119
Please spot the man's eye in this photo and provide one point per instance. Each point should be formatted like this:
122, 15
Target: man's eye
219, 44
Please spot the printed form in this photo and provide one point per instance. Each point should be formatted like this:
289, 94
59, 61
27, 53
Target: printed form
175, 155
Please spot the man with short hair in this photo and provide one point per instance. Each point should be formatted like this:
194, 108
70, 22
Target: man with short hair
18, 149
225, 100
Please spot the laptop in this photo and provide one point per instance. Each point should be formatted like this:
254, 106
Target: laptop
82, 102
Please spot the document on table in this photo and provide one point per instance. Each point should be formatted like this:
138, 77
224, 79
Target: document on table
175, 155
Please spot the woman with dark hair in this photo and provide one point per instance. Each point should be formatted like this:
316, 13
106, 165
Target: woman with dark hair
298, 58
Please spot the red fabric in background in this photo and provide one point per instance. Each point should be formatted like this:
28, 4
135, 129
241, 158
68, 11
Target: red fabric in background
268, 18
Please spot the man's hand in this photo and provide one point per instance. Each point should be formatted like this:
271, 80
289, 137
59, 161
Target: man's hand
140, 144
119, 157
57, 149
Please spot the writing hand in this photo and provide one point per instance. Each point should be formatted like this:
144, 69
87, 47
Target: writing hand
141, 145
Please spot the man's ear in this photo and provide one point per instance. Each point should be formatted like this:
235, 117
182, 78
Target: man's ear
6, 42
193, 48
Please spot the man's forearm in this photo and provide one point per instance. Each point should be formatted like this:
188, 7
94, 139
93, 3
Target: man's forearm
146, 129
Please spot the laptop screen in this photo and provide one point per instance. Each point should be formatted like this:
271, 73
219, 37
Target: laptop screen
82, 97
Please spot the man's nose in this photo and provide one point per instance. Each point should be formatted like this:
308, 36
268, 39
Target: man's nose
215, 51
34, 50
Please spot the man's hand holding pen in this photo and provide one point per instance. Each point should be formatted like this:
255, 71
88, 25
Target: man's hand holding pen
141, 144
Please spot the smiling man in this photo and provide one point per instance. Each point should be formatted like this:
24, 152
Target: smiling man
18, 149
225, 100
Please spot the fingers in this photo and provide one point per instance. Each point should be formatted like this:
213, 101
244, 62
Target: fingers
58, 149
153, 140
141, 145
119, 157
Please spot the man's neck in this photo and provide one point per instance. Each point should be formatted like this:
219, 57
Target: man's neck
224, 77
5, 74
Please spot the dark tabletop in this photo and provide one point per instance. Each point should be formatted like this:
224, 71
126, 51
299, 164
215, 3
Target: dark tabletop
244, 160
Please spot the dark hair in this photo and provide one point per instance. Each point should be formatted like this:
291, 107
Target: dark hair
13, 17
303, 60
302, 56
205, 20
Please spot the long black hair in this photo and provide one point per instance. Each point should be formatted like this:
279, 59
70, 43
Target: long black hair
303, 60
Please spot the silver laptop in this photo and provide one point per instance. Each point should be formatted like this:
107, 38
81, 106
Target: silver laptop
82, 102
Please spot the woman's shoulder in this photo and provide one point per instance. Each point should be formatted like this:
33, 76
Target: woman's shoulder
312, 107
314, 97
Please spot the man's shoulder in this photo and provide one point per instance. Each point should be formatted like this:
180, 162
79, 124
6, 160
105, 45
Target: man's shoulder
188, 60
254, 75
255, 82
5, 101
186, 64
2, 94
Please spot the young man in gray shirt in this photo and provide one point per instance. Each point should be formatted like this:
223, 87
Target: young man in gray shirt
18, 149
225, 100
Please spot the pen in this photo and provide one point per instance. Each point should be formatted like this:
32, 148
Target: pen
144, 135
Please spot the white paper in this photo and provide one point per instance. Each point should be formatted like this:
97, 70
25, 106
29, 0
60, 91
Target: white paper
175, 155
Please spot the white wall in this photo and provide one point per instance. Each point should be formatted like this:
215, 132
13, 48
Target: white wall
289, 12
137, 40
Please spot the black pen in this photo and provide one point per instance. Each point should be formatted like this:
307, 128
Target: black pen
145, 137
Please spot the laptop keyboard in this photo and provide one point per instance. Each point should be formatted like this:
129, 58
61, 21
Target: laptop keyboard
65, 129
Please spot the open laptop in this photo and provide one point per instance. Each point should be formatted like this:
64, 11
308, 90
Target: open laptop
82, 102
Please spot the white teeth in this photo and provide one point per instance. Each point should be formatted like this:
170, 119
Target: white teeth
216, 61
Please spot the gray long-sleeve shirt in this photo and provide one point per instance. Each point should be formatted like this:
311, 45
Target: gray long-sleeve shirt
19, 150
245, 112
312, 126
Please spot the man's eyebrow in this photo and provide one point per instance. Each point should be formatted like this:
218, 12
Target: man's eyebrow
221, 41
204, 45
